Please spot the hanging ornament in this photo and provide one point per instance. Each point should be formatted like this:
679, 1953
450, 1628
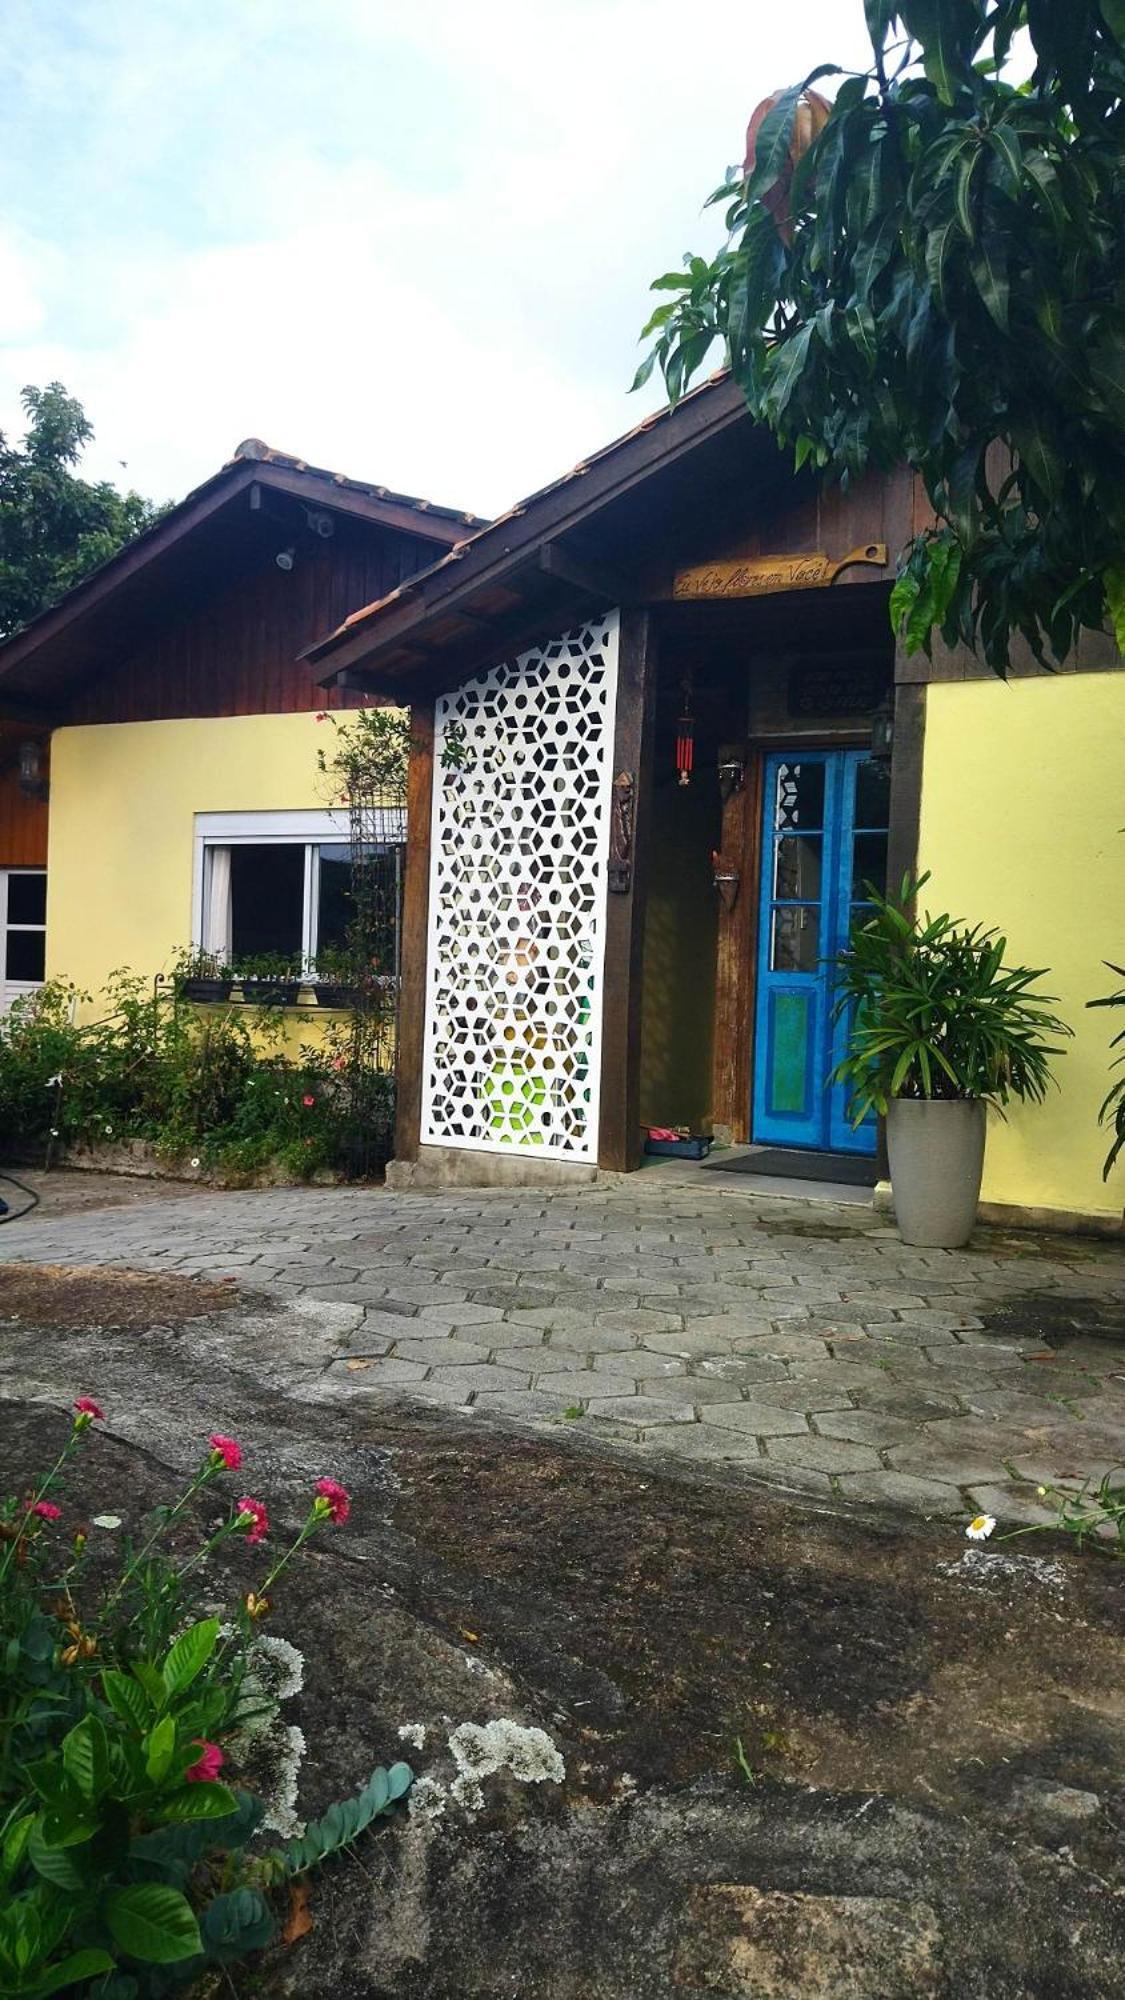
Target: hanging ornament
685, 737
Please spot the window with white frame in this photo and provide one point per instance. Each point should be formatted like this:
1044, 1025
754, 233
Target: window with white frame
23, 930
278, 885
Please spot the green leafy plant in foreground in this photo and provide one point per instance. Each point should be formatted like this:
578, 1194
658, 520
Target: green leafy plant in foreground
1113, 1110
936, 1013
128, 1866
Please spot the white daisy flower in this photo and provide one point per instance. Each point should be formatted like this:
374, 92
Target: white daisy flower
109, 1131
195, 1163
980, 1527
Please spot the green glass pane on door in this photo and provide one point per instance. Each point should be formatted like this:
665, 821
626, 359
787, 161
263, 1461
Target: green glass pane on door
789, 1052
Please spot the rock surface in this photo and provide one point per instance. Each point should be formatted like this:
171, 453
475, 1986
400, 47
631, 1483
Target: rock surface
933, 1732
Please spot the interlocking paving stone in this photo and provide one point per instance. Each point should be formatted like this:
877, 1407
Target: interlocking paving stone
442, 1352
662, 1292
758, 1419
644, 1412
822, 1454
582, 1384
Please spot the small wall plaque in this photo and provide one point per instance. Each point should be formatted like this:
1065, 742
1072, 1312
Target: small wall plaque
620, 875
835, 687
760, 576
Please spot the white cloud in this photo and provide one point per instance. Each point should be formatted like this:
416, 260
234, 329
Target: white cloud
413, 244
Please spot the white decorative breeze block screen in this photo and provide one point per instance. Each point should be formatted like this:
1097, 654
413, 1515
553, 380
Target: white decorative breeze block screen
517, 901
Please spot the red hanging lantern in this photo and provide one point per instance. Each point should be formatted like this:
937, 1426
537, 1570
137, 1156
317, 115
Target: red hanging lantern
685, 739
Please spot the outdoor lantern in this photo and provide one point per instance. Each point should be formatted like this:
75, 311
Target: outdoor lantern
883, 729
31, 778
685, 739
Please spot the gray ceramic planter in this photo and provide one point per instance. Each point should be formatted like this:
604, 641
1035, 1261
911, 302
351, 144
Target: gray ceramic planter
936, 1152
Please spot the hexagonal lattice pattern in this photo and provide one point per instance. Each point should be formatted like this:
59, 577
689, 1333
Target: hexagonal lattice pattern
517, 902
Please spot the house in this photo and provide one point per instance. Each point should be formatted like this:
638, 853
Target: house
165, 706
663, 737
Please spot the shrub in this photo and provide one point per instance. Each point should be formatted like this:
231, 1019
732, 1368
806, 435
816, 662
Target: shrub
194, 1082
128, 1866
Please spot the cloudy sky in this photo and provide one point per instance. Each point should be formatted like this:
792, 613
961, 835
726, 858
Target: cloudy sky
409, 239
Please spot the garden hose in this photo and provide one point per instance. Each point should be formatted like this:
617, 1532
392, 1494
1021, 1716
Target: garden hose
33, 1199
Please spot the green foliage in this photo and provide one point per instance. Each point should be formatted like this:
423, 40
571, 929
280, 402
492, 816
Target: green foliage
937, 279
1094, 1513
54, 526
208, 1084
1113, 1110
935, 1012
124, 1858
344, 1822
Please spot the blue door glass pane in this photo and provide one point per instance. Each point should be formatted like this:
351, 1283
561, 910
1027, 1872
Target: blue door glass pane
824, 839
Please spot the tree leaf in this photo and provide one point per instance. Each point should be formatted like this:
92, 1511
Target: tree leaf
189, 1655
152, 1922
126, 1698
988, 261
1115, 598
211, 1800
944, 28
85, 1756
1113, 14
86, 1964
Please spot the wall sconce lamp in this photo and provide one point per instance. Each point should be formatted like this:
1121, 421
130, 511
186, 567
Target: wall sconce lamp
883, 729
726, 879
732, 777
31, 780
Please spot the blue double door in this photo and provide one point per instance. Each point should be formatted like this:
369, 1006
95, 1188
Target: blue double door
824, 838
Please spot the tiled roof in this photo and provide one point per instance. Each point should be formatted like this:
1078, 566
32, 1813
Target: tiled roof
409, 588
263, 454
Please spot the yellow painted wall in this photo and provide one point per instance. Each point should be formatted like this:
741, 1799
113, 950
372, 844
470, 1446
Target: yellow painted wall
123, 800
1022, 816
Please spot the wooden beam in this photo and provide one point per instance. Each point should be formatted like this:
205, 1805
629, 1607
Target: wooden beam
619, 1122
415, 935
590, 578
32, 714
736, 950
515, 538
906, 783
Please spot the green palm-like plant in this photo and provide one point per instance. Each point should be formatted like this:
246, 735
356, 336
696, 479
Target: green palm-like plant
1112, 1112
936, 1013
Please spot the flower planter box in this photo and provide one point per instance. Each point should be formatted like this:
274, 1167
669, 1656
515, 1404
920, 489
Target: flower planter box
695, 1147
270, 992
331, 994
206, 989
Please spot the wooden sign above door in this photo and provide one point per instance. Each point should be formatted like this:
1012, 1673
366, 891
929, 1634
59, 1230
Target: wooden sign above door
759, 576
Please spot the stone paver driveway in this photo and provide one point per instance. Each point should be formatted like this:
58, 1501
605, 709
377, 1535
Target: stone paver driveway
797, 1341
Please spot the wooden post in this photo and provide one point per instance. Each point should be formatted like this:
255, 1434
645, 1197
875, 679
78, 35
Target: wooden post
415, 935
619, 1124
732, 1047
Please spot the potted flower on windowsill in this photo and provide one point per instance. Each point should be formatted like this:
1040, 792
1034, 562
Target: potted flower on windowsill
940, 1028
202, 975
269, 980
337, 979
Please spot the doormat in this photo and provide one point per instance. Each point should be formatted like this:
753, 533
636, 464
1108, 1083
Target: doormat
850, 1168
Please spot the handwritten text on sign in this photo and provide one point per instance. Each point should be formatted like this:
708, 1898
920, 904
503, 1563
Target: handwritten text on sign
757, 576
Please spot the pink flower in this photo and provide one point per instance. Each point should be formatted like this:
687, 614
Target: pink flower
206, 1770
337, 1498
228, 1449
87, 1407
308, 1101
46, 1510
259, 1519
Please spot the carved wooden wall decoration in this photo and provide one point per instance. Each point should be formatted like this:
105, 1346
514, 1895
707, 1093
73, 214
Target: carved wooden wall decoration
759, 576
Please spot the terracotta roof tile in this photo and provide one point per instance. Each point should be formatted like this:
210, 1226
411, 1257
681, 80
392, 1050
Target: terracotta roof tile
258, 452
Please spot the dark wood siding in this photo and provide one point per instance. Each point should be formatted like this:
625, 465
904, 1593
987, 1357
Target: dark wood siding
236, 653
23, 822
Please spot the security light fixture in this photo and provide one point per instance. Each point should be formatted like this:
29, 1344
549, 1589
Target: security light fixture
285, 559
883, 729
31, 780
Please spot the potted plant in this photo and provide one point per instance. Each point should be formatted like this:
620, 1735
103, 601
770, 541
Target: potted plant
202, 975
269, 980
940, 1028
1113, 1110
337, 979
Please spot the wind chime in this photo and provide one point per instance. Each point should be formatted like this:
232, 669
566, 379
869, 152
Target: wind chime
685, 735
